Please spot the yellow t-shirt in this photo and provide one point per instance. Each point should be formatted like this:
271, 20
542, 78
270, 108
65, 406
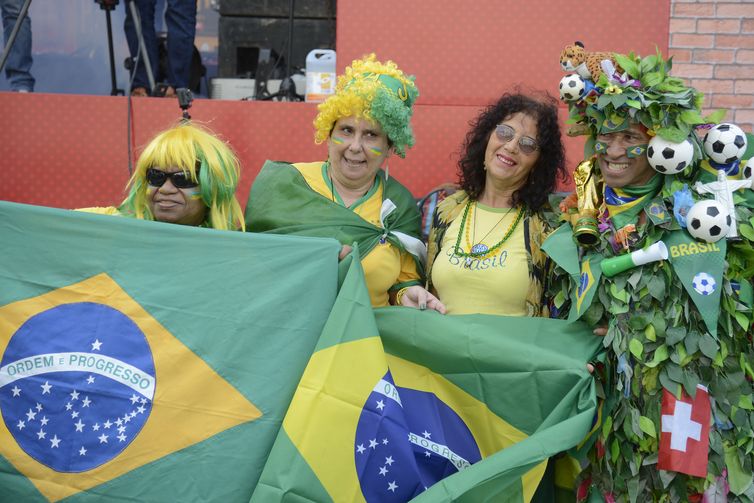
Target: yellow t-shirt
497, 284
384, 266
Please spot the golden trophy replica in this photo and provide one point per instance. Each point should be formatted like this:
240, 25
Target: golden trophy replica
584, 222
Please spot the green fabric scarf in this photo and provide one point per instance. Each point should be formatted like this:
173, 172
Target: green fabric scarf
625, 204
281, 202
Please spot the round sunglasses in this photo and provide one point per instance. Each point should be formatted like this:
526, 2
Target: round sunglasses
179, 179
526, 144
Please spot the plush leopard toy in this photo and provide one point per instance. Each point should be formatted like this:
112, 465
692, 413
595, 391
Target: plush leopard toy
587, 64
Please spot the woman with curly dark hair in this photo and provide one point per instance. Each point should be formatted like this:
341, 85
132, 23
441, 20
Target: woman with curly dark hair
484, 247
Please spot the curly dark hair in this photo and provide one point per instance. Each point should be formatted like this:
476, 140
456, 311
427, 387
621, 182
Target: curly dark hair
550, 165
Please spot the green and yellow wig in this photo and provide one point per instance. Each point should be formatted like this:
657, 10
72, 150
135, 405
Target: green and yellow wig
205, 158
375, 91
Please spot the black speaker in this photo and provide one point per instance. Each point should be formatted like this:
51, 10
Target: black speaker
242, 38
278, 8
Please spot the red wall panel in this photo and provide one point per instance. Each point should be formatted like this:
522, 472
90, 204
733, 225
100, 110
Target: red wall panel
71, 151
467, 52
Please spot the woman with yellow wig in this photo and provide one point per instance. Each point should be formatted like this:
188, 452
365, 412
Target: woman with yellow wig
350, 197
186, 175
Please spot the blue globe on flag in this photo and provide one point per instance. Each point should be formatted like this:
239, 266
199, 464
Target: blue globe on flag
76, 385
407, 440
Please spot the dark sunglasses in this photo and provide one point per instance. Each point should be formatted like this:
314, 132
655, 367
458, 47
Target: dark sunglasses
526, 144
180, 180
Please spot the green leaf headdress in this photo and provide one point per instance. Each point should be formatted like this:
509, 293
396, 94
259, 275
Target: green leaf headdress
640, 90
376, 91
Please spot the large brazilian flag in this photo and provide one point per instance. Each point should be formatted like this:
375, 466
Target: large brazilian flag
142, 361
398, 403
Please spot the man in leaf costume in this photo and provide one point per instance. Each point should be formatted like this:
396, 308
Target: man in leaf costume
677, 418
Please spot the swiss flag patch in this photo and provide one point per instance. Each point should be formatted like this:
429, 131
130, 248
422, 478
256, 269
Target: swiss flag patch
684, 438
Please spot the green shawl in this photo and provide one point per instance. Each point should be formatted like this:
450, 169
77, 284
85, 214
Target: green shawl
282, 202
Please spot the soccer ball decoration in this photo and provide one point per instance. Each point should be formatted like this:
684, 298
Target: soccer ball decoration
704, 284
725, 143
667, 157
708, 220
572, 87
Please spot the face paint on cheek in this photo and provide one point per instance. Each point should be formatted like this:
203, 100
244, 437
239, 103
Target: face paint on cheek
194, 194
336, 140
375, 150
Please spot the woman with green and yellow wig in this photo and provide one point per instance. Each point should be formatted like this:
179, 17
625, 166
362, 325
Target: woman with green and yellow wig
349, 196
185, 175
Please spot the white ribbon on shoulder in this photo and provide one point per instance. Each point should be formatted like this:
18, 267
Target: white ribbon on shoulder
414, 246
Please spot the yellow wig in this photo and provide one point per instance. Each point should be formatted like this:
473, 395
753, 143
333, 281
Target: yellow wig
376, 91
205, 158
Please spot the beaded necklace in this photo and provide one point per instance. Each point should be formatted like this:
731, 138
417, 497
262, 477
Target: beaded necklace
479, 250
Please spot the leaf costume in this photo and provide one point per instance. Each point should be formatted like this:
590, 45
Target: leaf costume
664, 330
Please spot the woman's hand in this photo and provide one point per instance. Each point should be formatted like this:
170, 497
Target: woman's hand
344, 251
419, 298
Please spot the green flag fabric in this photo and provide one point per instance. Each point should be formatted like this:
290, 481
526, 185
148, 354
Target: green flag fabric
586, 272
142, 361
398, 403
700, 268
282, 202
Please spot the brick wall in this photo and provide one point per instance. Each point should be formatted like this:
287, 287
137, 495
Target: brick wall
712, 44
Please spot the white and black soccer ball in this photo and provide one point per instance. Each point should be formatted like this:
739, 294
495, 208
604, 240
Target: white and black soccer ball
708, 220
725, 143
667, 157
572, 87
704, 284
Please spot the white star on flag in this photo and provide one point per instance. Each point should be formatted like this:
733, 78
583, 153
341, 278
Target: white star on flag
89, 380
134, 398
392, 486
121, 429
373, 443
82, 451
141, 409
74, 414
68, 406
41, 434
385, 441
95, 427
46, 387
389, 460
122, 437
360, 448
39, 407
108, 424
31, 415
380, 404
79, 426
86, 402
21, 425
383, 471
16, 391
44, 420
96, 345
103, 439
427, 434
54, 441
74, 395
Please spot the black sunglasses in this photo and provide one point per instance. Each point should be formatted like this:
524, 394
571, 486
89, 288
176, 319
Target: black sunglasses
527, 144
180, 180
